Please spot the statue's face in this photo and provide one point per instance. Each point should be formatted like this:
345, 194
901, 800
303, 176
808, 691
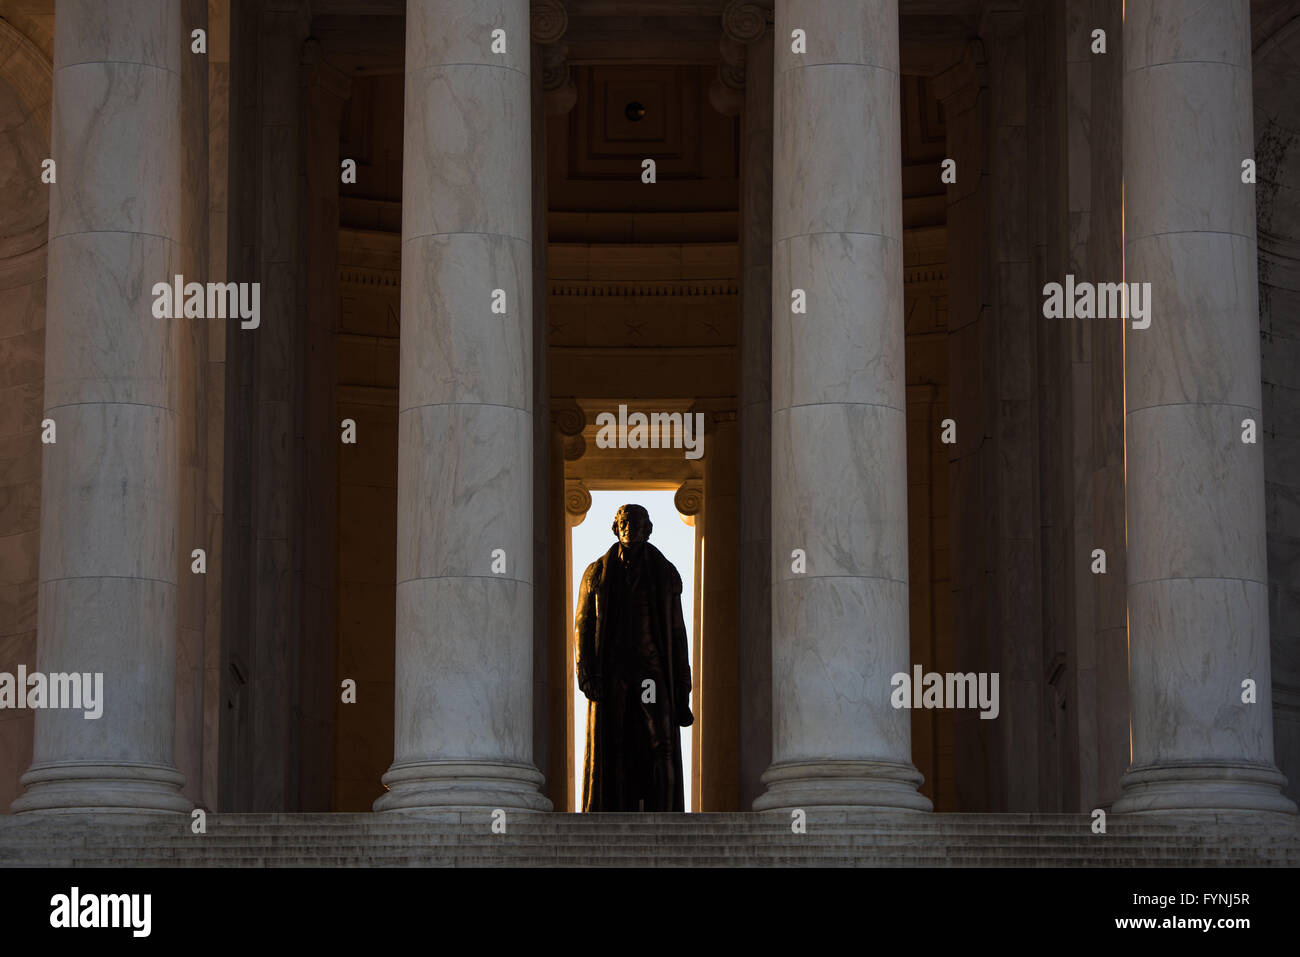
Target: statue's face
633, 528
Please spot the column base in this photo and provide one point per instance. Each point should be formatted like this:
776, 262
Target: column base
1203, 787
843, 784
102, 787
463, 785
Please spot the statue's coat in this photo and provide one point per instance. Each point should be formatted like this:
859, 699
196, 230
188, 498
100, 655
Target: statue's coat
607, 757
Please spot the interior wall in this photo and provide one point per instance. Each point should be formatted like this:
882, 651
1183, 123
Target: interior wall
275, 726
925, 297
1277, 153
1107, 651
366, 392
925, 308
218, 158
366, 379
25, 93
191, 344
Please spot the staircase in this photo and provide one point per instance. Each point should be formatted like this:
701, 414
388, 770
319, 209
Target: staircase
848, 838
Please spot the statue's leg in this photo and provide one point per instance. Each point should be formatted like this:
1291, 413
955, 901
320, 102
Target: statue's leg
656, 747
616, 756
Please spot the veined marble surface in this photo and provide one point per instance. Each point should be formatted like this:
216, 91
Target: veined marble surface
465, 429
109, 497
1197, 578
839, 486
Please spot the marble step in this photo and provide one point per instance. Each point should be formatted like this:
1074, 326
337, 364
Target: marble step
465, 839
1082, 837
737, 819
394, 850
660, 861
554, 824
224, 839
498, 846
399, 855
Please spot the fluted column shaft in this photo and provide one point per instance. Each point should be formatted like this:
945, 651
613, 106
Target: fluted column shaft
463, 733
566, 444
718, 655
1106, 260
755, 638
1197, 583
839, 484
324, 94
108, 591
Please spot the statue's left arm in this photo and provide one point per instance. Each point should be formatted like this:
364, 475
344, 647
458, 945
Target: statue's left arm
586, 629
681, 654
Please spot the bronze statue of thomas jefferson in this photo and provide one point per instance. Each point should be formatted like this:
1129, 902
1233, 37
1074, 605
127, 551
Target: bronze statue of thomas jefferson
634, 669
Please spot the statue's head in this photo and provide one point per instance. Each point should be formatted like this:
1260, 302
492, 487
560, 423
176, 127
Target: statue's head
632, 524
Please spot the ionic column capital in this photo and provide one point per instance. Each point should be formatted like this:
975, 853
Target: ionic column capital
575, 447
689, 500
568, 417
745, 21
548, 21
577, 501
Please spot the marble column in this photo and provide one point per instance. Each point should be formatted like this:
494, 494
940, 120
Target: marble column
218, 225
191, 344
719, 639
688, 500
1276, 77
1075, 378
108, 592
24, 230
463, 735
755, 413
567, 421
965, 92
1081, 782
1014, 505
276, 651
542, 428
839, 483
548, 21
577, 503
1197, 581
1106, 262
324, 91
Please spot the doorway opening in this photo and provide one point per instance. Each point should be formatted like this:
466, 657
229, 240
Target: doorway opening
677, 540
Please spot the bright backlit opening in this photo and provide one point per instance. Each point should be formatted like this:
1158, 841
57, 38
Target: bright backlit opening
676, 540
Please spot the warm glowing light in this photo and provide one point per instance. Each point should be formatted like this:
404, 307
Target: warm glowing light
677, 541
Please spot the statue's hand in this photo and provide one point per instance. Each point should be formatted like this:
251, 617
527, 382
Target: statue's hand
591, 686
684, 717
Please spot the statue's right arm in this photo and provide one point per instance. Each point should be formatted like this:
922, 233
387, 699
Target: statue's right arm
584, 639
